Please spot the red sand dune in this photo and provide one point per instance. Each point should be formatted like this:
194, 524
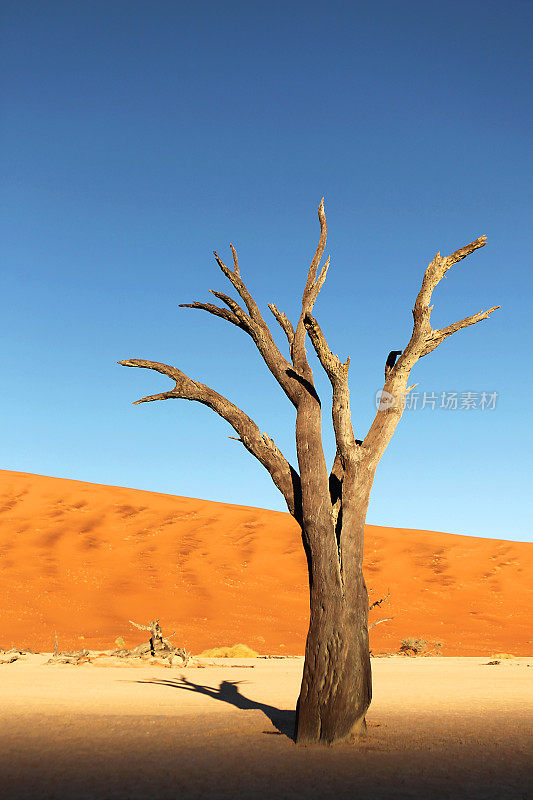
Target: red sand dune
83, 559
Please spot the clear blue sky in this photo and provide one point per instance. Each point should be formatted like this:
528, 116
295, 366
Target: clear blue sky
139, 136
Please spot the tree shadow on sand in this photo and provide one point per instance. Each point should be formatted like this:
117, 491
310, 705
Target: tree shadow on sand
228, 692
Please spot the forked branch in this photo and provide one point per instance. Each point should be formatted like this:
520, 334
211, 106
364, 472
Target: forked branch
424, 340
254, 325
315, 281
439, 335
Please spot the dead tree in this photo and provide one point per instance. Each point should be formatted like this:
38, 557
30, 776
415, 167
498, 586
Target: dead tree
158, 645
157, 642
329, 506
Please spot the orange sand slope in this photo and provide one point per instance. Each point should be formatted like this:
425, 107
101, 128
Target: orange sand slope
83, 559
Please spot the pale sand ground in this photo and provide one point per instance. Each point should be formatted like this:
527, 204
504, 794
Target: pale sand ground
438, 728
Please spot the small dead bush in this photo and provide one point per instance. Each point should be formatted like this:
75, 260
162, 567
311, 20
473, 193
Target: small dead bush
412, 646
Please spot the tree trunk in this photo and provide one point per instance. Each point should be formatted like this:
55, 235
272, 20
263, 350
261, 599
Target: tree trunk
337, 682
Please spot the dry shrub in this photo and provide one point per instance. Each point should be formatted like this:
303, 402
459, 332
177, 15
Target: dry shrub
237, 651
120, 643
413, 646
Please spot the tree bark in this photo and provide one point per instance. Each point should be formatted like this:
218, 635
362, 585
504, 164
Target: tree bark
336, 685
337, 681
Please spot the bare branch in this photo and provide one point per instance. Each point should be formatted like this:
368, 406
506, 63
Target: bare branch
232, 304
319, 283
258, 444
254, 324
378, 622
337, 373
284, 322
333, 367
141, 627
314, 283
439, 335
224, 313
422, 331
465, 251
315, 263
379, 602
235, 279
235, 259
151, 397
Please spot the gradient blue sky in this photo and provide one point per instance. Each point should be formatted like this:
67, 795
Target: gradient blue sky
139, 136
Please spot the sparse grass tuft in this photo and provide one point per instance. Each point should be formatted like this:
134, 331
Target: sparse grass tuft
502, 655
237, 651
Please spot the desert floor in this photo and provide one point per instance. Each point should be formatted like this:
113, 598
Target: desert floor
438, 728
